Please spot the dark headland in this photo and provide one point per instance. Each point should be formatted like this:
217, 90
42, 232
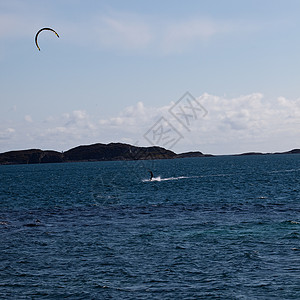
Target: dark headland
95, 152
102, 152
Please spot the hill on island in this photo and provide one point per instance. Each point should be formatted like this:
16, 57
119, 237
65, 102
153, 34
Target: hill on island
102, 152
95, 152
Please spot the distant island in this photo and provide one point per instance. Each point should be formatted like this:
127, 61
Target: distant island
294, 151
95, 152
103, 152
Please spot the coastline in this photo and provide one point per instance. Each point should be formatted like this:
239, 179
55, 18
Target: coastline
107, 152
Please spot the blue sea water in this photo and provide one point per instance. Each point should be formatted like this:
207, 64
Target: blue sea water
205, 228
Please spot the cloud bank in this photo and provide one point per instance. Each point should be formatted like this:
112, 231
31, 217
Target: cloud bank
246, 123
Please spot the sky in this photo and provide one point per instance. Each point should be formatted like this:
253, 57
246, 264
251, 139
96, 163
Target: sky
220, 77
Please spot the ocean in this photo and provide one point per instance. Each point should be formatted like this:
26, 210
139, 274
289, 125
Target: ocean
225, 227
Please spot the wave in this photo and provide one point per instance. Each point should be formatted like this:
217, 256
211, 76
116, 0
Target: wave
284, 171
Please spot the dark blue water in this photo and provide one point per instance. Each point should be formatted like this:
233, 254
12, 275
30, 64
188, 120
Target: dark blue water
206, 228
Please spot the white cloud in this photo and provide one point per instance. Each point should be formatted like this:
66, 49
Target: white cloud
246, 123
28, 118
136, 118
7, 133
77, 119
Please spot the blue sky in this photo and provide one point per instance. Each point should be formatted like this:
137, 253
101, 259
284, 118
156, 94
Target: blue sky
120, 66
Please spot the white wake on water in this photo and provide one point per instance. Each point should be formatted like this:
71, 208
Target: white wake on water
183, 177
164, 179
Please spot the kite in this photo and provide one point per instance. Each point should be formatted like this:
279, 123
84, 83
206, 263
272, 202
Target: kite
36, 36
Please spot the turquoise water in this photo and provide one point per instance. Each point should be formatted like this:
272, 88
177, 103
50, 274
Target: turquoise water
205, 228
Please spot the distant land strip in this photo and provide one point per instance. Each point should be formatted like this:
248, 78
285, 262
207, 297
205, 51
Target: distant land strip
104, 152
